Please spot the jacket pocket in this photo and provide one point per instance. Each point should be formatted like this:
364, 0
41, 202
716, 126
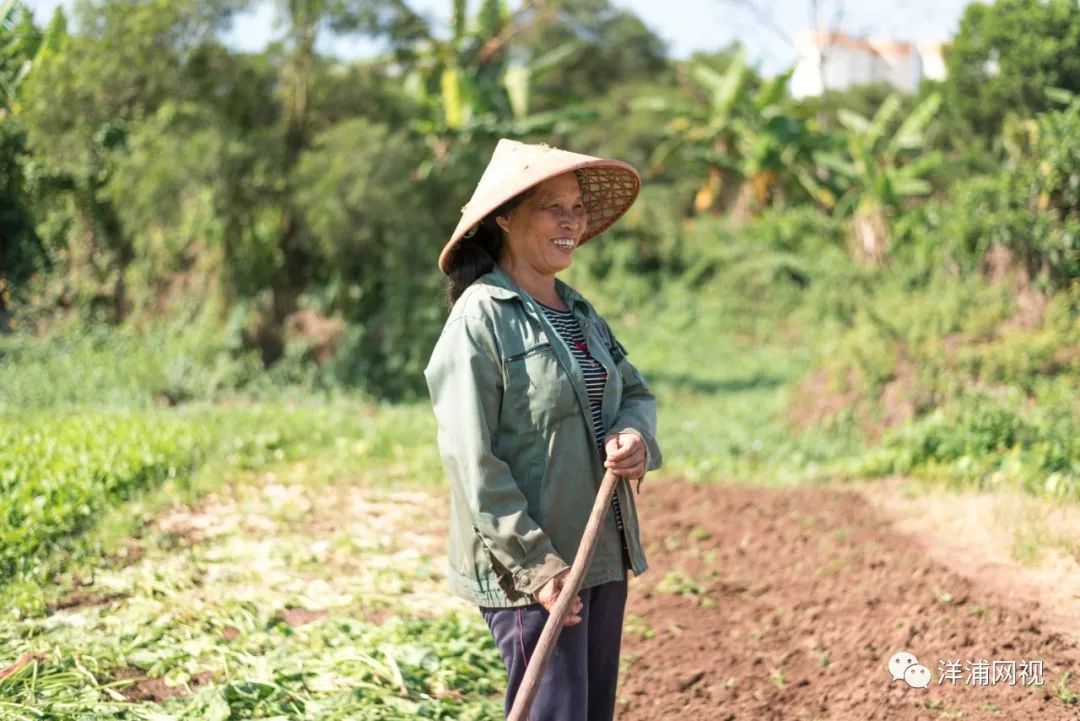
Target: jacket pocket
526, 353
538, 389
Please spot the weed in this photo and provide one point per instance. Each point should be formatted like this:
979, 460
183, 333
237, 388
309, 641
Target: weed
679, 583
1066, 694
635, 625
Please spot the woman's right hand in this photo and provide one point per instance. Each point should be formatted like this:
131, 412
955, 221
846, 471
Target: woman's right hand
548, 596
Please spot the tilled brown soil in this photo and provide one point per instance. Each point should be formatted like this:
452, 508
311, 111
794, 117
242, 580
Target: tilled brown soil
788, 603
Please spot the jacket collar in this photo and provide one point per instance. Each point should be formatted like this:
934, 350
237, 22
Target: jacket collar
502, 287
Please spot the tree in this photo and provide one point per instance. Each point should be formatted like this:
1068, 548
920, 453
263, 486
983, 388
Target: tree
878, 168
483, 81
304, 21
479, 85
1004, 54
79, 105
360, 202
862, 99
22, 48
606, 46
744, 130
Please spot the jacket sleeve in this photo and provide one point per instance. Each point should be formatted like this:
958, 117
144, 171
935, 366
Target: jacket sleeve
637, 412
465, 381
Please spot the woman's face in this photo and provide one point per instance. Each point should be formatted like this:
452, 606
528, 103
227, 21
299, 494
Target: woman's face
544, 229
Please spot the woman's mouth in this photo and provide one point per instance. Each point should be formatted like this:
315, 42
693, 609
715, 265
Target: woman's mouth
564, 243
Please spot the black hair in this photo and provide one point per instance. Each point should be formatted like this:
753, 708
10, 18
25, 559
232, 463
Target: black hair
477, 254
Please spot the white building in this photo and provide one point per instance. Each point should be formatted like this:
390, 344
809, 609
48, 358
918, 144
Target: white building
836, 61
933, 60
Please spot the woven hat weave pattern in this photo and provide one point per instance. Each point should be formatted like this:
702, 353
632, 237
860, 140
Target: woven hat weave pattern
608, 187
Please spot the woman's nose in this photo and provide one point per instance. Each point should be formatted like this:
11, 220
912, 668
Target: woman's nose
570, 219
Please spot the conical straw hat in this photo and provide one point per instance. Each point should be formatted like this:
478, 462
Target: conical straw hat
609, 187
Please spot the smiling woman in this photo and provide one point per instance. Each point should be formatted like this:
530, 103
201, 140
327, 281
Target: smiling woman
535, 400
545, 230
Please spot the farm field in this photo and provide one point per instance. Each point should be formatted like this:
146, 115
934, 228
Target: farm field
789, 603
854, 291
274, 597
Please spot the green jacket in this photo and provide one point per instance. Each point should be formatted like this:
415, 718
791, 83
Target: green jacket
515, 435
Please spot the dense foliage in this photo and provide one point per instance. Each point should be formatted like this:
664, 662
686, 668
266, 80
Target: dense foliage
272, 217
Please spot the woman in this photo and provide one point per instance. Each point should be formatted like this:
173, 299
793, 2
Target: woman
534, 399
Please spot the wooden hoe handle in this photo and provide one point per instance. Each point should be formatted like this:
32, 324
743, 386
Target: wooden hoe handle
554, 625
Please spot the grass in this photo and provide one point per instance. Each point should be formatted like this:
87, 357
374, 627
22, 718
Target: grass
723, 376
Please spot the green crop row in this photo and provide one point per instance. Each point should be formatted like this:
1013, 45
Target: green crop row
58, 473
67, 471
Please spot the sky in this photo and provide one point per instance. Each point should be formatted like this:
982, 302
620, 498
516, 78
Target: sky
686, 25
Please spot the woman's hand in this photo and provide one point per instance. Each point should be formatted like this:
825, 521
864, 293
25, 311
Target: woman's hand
548, 596
625, 455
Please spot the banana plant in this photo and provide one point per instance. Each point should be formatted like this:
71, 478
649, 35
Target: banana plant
703, 131
877, 169
750, 142
773, 146
468, 84
22, 47
447, 76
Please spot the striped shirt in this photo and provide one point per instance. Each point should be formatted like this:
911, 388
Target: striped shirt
568, 328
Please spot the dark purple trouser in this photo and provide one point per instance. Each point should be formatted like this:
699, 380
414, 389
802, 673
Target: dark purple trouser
579, 680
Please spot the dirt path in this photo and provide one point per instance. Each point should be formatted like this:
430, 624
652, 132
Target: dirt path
788, 604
